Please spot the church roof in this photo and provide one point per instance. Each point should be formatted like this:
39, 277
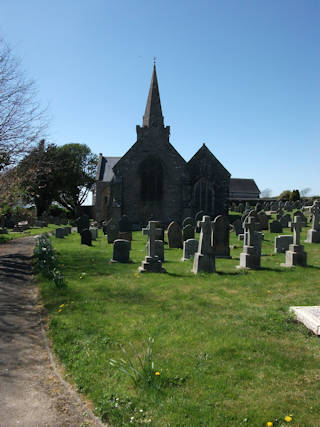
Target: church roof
204, 151
105, 165
243, 185
153, 113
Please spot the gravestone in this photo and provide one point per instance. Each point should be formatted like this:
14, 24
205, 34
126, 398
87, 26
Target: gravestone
188, 221
198, 218
94, 233
275, 227
284, 220
159, 249
188, 232
60, 233
295, 255
204, 259
258, 207
303, 219
174, 235
281, 243
121, 251
237, 227
241, 207
263, 220
83, 223
67, 230
152, 262
86, 237
112, 230
159, 231
125, 225
221, 232
313, 235
190, 247
250, 257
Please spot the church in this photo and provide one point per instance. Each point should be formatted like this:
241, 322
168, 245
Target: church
153, 181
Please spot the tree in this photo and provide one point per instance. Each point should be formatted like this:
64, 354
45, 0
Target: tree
266, 192
76, 171
285, 195
37, 174
295, 195
21, 119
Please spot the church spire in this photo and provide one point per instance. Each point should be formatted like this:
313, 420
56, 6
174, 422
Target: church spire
153, 113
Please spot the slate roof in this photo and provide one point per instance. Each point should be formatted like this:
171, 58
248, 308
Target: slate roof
243, 185
105, 172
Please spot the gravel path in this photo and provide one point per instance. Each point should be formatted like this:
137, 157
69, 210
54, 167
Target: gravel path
31, 392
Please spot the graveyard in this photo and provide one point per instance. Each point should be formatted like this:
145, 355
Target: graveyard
226, 349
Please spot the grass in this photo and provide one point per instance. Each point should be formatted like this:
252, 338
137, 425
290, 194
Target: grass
4, 238
228, 352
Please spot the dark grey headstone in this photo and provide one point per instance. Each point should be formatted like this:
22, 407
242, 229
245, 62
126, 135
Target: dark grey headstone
121, 251
275, 227
86, 238
174, 235
190, 247
188, 232
221, 231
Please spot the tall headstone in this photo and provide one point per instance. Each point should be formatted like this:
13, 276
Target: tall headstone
313, 235
264, 220
94, 233
198, 218
284, 220
204, 259
174, 235
83, 223
86, 238
121, 251
295, 255
221, 234
152, 262
237, 227
190, 247
250, 257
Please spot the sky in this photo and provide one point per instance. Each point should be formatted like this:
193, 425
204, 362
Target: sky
243, 76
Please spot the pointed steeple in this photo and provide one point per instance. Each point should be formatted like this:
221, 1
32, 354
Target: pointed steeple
153, 114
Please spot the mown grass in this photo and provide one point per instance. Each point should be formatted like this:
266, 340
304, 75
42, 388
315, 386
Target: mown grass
225, 344
4, 238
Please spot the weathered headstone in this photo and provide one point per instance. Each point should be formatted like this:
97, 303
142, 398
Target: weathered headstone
250, 257
68, 230
303, 219
188, 232
313, 235
174, 235
94, 233
190, 247
221, 234
86, 238
112, 230
188, 221
204, 259
263, 220
281, 243
121, 251
152, 262
83, 223
237, 227
60, 233
284, 220
275, 227
295, 255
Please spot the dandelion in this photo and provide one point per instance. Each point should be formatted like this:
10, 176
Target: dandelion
60, 309
288, 419
72, 302
157, 373
61, 305
269, 424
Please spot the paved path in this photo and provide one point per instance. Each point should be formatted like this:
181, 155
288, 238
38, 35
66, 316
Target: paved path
31, 394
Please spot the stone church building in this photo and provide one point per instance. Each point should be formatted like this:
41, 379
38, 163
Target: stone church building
152, 181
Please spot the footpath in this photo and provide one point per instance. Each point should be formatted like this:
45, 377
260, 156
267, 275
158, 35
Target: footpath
31, 392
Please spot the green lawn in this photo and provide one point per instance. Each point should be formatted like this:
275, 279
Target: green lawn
226, 348
4, 238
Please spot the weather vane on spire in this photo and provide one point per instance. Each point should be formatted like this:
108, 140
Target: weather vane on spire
154, 60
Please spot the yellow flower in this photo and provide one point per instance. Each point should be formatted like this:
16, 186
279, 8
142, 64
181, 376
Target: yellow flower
288, 419
62, 305
60, 309
157, 373
72, 302
269, 424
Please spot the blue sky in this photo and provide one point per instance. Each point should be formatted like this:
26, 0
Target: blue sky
243, 76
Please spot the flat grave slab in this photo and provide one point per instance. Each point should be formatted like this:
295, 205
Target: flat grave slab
309, 316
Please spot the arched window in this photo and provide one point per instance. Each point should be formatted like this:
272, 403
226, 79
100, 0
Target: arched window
203, 196
151, 175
